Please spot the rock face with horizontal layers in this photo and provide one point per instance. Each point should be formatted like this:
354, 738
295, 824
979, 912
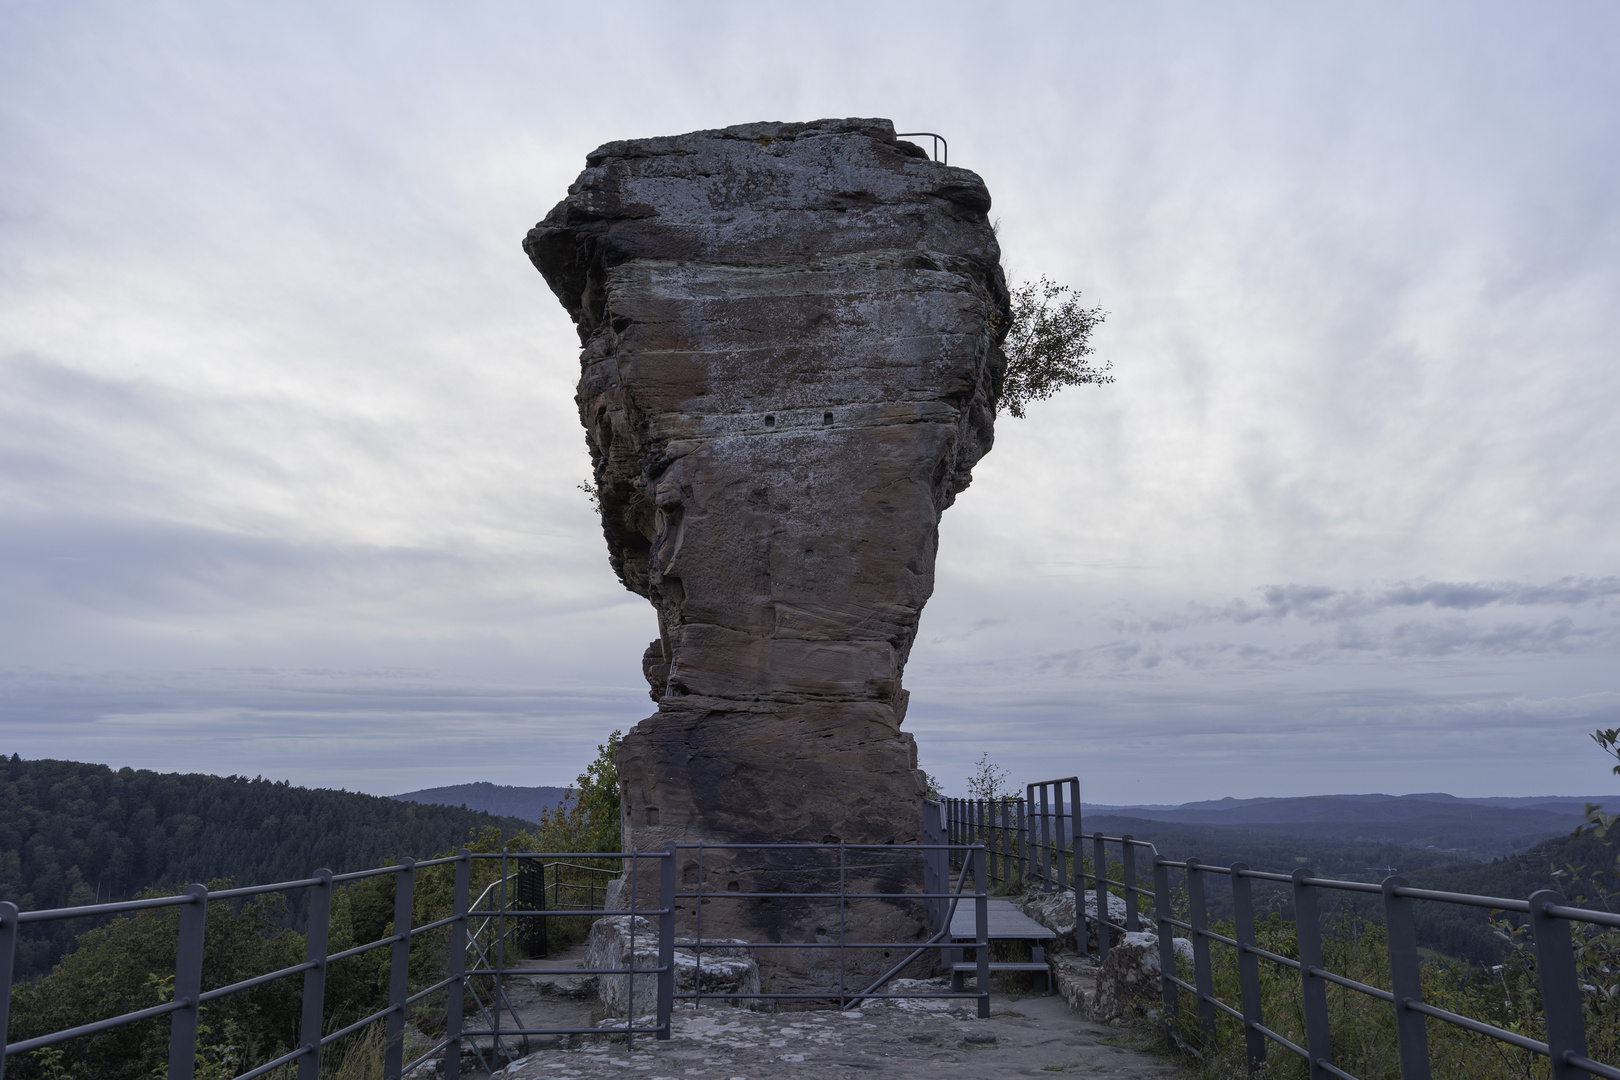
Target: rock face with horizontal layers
791, 359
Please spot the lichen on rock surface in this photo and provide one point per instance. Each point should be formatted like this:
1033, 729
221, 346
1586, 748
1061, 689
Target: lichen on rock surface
791, 354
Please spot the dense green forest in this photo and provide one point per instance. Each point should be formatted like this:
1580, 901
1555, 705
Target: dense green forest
73, 833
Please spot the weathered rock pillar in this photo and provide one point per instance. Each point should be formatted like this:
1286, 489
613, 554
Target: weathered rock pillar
791, 354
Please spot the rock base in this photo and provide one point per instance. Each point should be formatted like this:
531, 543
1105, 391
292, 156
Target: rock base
727, 970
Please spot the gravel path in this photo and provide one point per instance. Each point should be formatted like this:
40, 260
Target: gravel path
1027, 1036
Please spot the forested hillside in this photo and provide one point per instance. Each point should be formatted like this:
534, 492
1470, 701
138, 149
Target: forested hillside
72, 833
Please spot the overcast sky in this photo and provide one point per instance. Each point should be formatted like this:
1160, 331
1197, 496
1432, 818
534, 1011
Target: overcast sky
289, 455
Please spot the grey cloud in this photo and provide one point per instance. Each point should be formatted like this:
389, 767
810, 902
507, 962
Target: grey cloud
1321, 603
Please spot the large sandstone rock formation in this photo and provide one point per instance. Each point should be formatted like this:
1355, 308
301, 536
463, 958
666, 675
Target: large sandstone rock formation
791, 354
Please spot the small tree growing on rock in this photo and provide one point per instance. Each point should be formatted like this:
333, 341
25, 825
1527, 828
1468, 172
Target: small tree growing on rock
1047, 344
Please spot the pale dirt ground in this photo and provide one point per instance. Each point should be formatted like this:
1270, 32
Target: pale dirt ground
1026, 1035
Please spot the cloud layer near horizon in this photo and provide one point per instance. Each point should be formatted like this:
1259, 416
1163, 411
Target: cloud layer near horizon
279, 393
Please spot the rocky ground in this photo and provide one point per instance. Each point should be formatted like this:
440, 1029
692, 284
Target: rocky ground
1024, 1036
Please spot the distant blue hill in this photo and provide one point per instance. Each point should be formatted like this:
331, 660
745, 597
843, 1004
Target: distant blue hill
1482, 828
501, 799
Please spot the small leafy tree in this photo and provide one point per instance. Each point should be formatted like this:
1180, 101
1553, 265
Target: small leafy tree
1047, 344
989, 781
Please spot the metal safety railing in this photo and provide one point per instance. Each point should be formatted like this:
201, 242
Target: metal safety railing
1007, 829
1030, 839
939, 140
189, 997
477, 963
876, 856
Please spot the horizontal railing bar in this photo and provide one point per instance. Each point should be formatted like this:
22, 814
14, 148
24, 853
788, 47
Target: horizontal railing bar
1187, 986
1343, 886
570, 971
1370, 991
552, 913
52, 914
272, 1066
1110, 839
1177, 922
248, 984
1279, 1040
1274, 957
820, 896
1586, 915
1213, 936
356, 875
961, 943
358, 1024
825, 847
1482, 1028
1607, 1071
446, 921
405, 1069
560, 1031
1335, 1070
258, 890
434, 989
96, 1027
1224, 1007
831, 995
1495, 903
392, 939
619, 855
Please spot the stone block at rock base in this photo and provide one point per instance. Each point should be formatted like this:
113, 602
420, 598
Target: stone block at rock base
1055, 911
1128, 983
726, 968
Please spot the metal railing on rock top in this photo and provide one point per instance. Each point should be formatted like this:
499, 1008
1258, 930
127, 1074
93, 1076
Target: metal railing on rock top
476, 960
1015, 839
189, 997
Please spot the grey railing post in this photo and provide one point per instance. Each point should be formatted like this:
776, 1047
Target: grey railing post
1127, 862
315, 943
666, 941
630, 979
1203, 974
1167, 948
1046, 844
981, 931
458, 967
1074, 825
188, 960
1406, 981
1029, 832
400, 972
1059, 850
1099, 863
1254, 1042
999, 815
8, 957
1021, 840
1560, 986
1313, 988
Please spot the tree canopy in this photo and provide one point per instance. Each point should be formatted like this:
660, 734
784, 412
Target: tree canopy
1048, 344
